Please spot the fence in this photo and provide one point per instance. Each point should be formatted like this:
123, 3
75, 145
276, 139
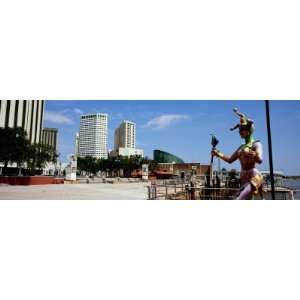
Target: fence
166, 191
183, 191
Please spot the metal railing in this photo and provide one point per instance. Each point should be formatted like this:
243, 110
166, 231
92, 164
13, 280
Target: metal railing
213, 193
186, 192
165, 191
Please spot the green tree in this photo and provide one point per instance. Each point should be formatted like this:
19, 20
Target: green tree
81, 166
100, 165
113, 165
13, 146
44, 154
21, 148
38, 155
91, 164
16, 148
152, 163
88, 164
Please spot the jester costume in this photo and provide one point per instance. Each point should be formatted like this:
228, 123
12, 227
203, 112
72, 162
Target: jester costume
249, 155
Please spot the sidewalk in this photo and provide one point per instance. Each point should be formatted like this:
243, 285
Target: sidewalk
121, 191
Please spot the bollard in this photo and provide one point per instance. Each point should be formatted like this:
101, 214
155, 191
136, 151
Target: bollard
192, 191
187, 192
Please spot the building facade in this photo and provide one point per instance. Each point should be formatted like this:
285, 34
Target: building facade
27, 114
50, 137
125, 140
125, 135
187, 168
93, 135
127, 152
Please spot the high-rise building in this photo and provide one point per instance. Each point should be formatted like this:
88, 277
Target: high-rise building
125, 135
27, 114
124, 140
93, 135
50, 137
76, 144
117, 139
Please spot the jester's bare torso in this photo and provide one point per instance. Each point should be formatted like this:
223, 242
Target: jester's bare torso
249, 155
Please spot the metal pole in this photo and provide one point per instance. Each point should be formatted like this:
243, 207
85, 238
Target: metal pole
270, 149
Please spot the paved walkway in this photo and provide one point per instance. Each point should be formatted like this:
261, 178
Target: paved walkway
120, 191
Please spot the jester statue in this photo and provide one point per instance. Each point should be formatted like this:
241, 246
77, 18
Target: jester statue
249, 155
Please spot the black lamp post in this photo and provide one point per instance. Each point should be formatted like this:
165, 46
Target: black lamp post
270, 149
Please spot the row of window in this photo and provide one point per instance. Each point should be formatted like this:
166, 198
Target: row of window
104, 117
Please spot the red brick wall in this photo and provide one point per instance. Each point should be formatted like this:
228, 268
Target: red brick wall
30, 180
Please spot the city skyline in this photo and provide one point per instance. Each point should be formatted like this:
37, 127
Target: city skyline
184, 127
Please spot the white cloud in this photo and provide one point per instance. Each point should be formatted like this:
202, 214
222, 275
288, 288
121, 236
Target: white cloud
72, 111
164, 121
78, 111
57, 118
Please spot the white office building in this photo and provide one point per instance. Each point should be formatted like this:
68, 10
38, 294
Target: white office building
125, 140
93, 135
27, 114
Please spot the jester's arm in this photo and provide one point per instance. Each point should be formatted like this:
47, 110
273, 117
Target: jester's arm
228, 159
235, 127
239, 113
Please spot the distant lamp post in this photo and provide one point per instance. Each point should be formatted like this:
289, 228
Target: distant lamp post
270, 149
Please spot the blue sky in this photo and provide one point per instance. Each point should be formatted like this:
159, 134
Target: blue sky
184, 127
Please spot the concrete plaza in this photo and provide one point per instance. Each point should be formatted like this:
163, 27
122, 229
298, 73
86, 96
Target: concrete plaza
99, 191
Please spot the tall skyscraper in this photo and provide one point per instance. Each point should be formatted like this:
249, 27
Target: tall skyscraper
93, 135
125, 135
76, 144
124, 140
50, 137
27, 114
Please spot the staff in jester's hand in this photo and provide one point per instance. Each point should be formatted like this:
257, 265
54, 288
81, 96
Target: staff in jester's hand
214, 143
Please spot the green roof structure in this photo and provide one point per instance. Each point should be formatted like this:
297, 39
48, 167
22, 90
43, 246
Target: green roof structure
160, 156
